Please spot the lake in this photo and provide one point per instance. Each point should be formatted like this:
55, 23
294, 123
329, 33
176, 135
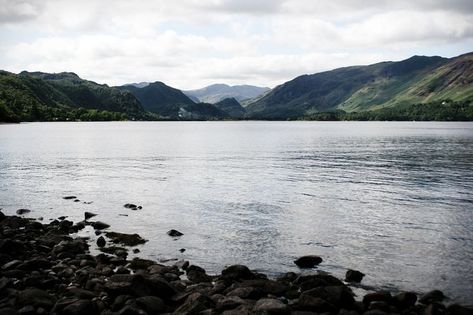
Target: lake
391, 199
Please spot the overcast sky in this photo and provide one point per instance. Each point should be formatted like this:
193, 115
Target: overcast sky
192, 43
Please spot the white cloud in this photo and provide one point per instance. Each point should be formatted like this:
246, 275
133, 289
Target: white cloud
190, 43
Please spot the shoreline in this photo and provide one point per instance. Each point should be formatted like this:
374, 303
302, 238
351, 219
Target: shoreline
44, 270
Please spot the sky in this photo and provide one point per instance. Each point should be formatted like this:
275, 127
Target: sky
189, 44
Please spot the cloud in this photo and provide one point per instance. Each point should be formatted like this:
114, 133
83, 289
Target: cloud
190, 43
14, 11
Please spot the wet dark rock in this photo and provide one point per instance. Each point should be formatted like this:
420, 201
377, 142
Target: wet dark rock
307, 282
267, 286
308, 261
182, 250
2, 216
130, 310
80, 307
8, 311
237, 272
339, 296
247, 293
271, 306
228, 303
197, 274
432, 296
130, 206
456, 309
36, 298
376, 297
125, 239
312, 303
27, 310
404, 300
354, 276
174, 233
98, 225
62, 217
101, 242
69, 197
77, 200
151, 304
435, 309
139, 263
195, 303
22, 211
88, 215
136, 250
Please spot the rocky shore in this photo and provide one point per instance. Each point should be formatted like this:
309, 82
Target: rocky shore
44, 270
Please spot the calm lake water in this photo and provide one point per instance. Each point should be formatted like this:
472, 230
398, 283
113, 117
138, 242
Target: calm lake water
393, 200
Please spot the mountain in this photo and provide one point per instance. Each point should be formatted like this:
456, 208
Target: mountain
30, 96
217, 92
418, 79
138, 85
171, 103
231, 108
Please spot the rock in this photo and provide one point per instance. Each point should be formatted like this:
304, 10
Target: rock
197, 274
312, 303
307, 282
130, 310
182, 250
195, 303
88, 215
338, 296
69, 197
151, 304
228, 303
77, 200
98, 225
62, 217
125, 239
237, 272
308, 261
247, 293
22, 211
267, 286
174, 233
404, 300
27, 310
8, 311
127, 285
130, 206
101, 242
136, 250
435, 309
376, 297
36, 298
80, 307
432, 296
139, 263
2, 216
354, 276
271, 306
456, 309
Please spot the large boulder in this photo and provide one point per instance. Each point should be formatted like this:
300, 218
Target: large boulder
36, 298
194, 304
271, 306
125, 239
309, 261
431, 297
237, 272
354, 276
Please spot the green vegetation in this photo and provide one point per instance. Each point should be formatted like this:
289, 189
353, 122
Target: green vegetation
417, 80
418, 88
435, 111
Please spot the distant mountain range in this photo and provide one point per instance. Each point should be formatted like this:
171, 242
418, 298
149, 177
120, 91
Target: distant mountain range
217, 92
418, 88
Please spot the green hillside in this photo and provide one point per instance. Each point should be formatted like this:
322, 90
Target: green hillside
44, 97
415, 80
171, 103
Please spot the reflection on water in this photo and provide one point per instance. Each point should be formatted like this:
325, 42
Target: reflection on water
394, 200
